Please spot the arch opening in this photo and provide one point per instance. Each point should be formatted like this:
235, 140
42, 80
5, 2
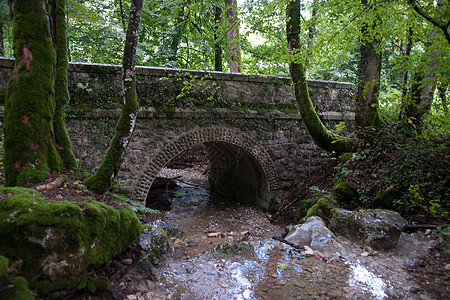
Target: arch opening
239, 167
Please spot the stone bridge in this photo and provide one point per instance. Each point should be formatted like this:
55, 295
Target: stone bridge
249, 125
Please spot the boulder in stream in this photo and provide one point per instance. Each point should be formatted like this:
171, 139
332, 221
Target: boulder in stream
377, 228
316, 235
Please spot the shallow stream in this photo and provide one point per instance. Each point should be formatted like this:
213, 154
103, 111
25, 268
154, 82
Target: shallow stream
221, 250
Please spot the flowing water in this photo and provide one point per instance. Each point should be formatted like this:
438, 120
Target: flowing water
222, 250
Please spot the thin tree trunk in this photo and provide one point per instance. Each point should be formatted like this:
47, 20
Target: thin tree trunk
406, 58
2, 44
59, 37
101, 180
29, 143
233, 43
122, 16
324, 138
367, 116
421, 92
176, 37
218, 64
311, 34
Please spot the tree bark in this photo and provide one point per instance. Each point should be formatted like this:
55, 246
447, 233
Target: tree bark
29, 143
366, 116
59, 37
418, 103
101, 180
324, 138
218, 63
233, 43
2, 44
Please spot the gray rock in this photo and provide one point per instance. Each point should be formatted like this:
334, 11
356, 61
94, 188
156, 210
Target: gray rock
316, 235
153, 244
377, 228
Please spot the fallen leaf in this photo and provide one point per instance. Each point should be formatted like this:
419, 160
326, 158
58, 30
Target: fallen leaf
281, 266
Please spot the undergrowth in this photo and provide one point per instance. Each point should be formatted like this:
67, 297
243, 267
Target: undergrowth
391, 169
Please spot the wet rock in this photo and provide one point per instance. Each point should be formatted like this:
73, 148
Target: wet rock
379, 229
153, 244
315, 234
243, 249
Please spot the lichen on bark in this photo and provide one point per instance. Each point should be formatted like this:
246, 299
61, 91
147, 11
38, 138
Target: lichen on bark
29, 144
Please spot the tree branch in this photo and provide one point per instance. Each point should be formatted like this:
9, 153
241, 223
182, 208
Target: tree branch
438, 24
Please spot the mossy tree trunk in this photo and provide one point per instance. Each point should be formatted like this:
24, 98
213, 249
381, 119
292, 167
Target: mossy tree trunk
324, 138
101, 180
233, 44
59, 37
366, 116
29, 143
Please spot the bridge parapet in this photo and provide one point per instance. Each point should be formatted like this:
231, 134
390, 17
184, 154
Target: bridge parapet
95, 86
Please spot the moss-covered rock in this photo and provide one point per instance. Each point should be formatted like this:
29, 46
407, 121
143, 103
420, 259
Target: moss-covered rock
3, 266
97, 284
345, 157
322, 208
303, 208
56, 242
153, 244
344, 192
19, 290
377, 228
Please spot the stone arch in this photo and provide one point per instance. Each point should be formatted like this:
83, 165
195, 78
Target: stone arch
199, 136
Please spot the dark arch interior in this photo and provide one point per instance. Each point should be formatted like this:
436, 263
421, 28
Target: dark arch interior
230, 171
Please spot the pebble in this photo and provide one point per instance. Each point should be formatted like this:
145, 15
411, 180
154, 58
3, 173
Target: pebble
447, 267
365, 254
131, 297
127, 261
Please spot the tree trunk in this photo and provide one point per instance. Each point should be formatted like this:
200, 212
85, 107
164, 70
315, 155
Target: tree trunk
418, 103
406, 58
233, 44
59, 36
176, 37
218, 64
2, 44
324, 138
101, 180
122, 16
29, 143
366, 116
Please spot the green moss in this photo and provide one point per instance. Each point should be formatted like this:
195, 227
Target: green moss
304, 206
29, 108
345, 157
99, 283
323, 208
3, 266
20, 291
344, 192
83, 235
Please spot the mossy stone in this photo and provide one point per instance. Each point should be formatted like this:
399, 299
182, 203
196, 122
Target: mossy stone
345, 157
303, 206
3, 266
342, 191
61, 240
323, 208
98, 283
19, 291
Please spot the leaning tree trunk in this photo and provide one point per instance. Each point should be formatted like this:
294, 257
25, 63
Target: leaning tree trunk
366, 115
29, 144
324, 138
233, 44
59, 36
101, 180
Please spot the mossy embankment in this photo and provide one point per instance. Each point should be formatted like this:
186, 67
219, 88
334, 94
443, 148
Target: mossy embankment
54, 243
